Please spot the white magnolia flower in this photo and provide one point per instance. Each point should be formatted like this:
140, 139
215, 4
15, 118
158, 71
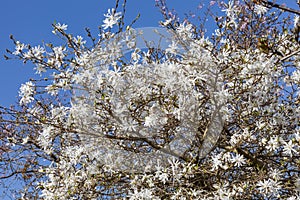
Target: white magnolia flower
268, 187
260, 10
289, 148
26, 93
163, 177
61, 26
35, 52
142, 194
79, 40
230, 10
19, 47
273, 143
111, 19
238, 160
58, 26
59, 52
217, 162
275, 174
185, 30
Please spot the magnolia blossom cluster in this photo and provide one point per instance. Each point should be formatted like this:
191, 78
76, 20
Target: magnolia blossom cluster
203, 119
26, 92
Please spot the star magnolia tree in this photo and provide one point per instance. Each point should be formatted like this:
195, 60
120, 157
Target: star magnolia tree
210, 117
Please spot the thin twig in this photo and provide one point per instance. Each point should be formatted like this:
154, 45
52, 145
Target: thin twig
289, 55
281, 7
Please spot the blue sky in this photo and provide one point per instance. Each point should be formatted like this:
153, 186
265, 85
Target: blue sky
30, 22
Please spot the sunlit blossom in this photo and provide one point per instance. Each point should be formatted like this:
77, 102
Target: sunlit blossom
273, 143
289, 148
238, 160
19, 48
260, 9
268, 187
61, 27
26, 93
79, 40
112, 18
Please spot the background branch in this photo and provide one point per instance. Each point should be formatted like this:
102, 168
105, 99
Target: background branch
281, 7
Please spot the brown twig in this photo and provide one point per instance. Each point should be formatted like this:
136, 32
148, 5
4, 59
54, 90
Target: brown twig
281, 7
289, 55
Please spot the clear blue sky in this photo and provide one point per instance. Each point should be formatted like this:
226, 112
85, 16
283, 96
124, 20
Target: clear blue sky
30, 22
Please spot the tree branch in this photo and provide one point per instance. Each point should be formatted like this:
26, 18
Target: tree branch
281, 7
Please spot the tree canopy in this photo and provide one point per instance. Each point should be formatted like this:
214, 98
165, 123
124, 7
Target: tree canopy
213, 116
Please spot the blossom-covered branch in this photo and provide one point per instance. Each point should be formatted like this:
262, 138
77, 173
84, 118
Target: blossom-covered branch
212, 116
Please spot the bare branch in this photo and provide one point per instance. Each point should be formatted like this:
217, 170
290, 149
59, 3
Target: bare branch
281, 7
